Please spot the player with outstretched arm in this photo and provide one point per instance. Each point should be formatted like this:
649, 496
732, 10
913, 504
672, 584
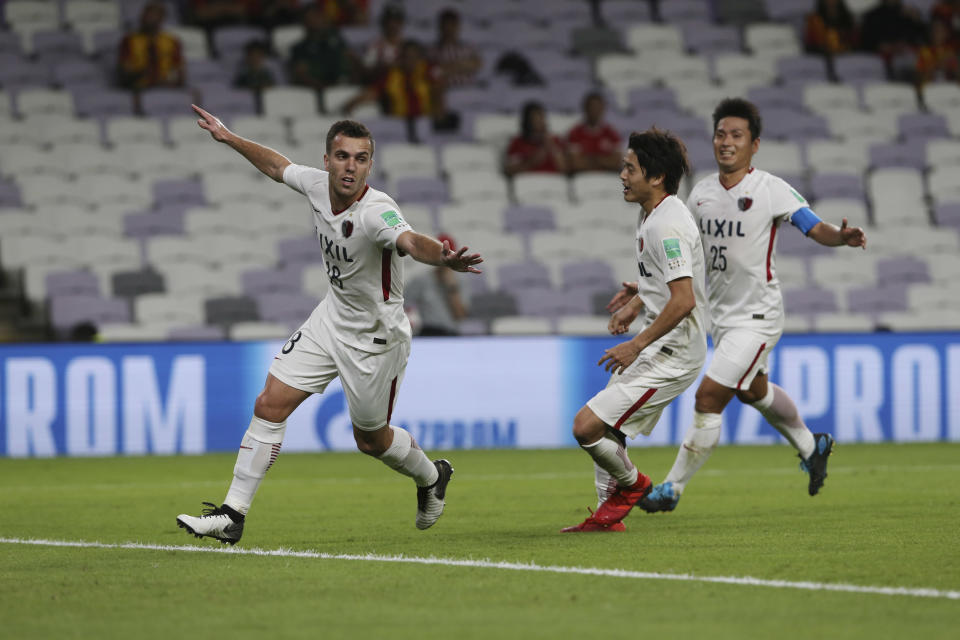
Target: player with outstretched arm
739, 210
665, 357
358, 332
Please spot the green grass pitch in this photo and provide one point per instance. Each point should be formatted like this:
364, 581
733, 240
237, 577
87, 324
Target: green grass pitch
888, 516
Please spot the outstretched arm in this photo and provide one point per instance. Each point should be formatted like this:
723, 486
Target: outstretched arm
263, 158
429, 251
833, 236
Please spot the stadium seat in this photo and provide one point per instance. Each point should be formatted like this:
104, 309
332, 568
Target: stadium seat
464, 216
859, 68
827, 186
129, 284
335, 99
126, 332
707, 39
72, 130
168, 308
68, 311
196, 333
467, 156
658, 39
922, 126
895, 195
42, 102
825, 98
738, 69
941, 97
524, 275
943, 184
771, 40
843, 322
902, 270
193, 42
520, 326
889, 96
72, 283
289, 102
477, 186
122, 130
262, 330
809, 300
540, 188
780, 157
802, 70
831, 156
851, 125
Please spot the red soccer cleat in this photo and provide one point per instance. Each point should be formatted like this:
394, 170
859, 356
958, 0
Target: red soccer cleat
618, 505
590, 524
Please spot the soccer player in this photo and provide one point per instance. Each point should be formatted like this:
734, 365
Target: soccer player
739, 210
665, 357
358, 332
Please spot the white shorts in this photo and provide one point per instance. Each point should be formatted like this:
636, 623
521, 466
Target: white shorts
633, 401
310, 360
740, 354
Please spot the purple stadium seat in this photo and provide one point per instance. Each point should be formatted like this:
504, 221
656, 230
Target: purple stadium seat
878, 300
229, 41
786, 98
68, 311
786, 9
10, 43
286, 308
100, 103
911, 153
707, 39
644, 99
9, 194
197, 333
492, 304
80, 75
227, 103
183, 191
687, 127
923, 126
700, 153
685, 11
789, 124
259, 282
208, 73
72, 283
593, 274
472, 99
618, 12
553, 66
17, 72
565, 94
521, 276
791, 242
802, 69
421, 189
809, 300
528, 218
386, 129
106, 43
902, 270
836, 185
166, 102
301, 250
947, 214
147, 225
857, 68
551, 303
52, 46
129, 284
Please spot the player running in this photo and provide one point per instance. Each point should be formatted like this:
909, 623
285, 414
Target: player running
358, 332
739, 210
665, 357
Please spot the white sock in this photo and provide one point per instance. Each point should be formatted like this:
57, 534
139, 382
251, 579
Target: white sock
611, 456
404, 456
780, 411
606, 484
258, 451
699, 442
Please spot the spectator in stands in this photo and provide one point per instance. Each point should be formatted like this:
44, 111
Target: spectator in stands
436, 299
322, 58
593, 144
254, 73
535, 149
210, 14
151, 57
938, 59
830, 28
409, 88
385, 50
457, 61
274, 13
948, 12
892, 30
345, 12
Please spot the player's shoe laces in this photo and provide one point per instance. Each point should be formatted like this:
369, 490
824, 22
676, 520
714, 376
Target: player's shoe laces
816, 464
618, 505
591, 524
222, 523
661, 498
430, 499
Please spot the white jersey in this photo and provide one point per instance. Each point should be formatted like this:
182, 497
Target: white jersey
738, 227
364, 305
668, 248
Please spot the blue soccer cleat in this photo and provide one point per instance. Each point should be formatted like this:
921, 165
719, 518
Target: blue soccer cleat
661, 498
816, 464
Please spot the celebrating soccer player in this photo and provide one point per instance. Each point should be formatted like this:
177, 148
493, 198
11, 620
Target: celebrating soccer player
358, 332
739, 210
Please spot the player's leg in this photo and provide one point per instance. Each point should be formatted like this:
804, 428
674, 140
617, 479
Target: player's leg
259, 449
780, 411
371, 383
605, 483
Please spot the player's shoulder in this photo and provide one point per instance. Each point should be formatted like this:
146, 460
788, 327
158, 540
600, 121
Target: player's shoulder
377, 204
673, 217
706, 184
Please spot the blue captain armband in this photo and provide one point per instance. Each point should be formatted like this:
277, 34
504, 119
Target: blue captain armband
804, 219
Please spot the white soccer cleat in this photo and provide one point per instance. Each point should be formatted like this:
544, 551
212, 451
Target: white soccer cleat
221, 523
430, 500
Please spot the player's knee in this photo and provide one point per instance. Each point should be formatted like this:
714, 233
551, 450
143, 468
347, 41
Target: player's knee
708, 401
748, 396
268, 408
372, 443
587, 428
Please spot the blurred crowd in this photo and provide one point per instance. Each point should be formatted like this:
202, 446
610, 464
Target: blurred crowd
915, 47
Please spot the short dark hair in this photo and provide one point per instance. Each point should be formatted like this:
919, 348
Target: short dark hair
350, 129
660, 153
739, 108
526, 115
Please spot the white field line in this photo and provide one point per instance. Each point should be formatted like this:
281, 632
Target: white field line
509, 566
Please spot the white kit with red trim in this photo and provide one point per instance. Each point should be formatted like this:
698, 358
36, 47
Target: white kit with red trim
739, 227
364, 305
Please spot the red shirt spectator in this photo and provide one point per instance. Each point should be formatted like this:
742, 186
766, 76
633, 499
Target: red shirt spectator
535, 149
594, 145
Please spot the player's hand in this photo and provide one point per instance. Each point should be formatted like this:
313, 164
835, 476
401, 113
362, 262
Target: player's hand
623, 296
620, 321
619, 357
852, 236
211, 123
458, 260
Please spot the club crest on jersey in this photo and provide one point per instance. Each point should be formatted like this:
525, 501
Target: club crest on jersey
744, 203
346, 228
